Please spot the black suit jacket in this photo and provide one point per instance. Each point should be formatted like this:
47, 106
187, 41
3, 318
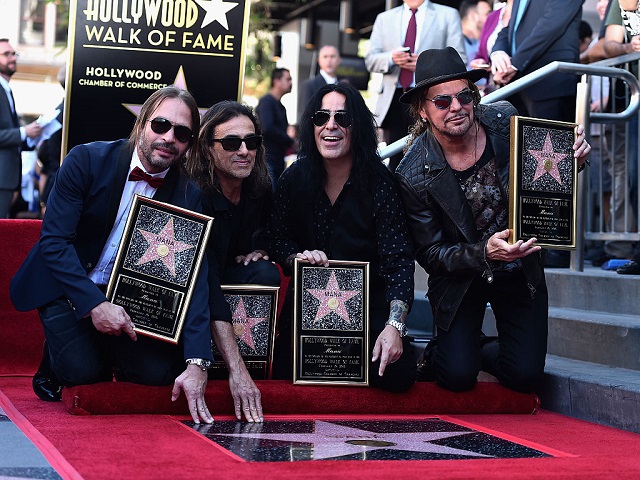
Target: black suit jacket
10, 143
548, 31
309, 87
81, 211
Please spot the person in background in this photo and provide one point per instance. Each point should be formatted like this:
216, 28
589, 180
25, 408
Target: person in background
473, 15
398, 36
328, 60
90, 339
273, 116
12, 136
454, 181
339, 202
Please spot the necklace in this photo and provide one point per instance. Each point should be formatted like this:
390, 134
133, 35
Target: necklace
470, 182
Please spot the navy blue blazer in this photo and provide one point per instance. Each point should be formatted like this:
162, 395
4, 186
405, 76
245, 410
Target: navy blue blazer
81, 211
548, 31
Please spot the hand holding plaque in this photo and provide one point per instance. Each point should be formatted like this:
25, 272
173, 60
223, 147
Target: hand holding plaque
543, 188
157, 262
331, 323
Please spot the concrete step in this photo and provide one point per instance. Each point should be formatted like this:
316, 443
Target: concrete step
596, 393
593, 289
597, 337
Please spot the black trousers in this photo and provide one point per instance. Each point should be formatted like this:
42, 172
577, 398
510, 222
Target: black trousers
517, 357
396, 125
81, 355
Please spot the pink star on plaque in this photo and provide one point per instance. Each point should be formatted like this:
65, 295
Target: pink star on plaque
332, 299
242, 324
163, 246
547, 160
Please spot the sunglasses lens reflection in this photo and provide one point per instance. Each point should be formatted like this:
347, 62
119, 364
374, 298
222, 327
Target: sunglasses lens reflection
162, 125
233, 144
321, 117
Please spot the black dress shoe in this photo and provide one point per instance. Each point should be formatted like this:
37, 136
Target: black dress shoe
424, 371
45, 383
629, 268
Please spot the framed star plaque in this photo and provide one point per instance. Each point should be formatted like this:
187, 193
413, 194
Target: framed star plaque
253, 311
331, 323
157, 265
544, 182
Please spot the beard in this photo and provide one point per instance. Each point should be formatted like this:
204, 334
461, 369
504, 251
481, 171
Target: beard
459, 130
146, 151
8, 69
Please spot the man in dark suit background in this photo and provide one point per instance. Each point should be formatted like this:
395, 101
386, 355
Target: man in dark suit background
12, 135
65, 274
540, 32
328, 60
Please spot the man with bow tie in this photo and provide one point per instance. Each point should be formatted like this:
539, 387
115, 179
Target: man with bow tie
90, 339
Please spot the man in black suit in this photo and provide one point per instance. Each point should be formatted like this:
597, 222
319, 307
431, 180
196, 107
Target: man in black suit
540, 32
328, 60
65, 274
12, 135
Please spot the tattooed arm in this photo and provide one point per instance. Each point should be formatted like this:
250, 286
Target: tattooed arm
388, 345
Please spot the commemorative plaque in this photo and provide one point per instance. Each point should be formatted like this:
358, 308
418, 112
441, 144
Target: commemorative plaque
157, 265
253, 312
543, 189
331, 323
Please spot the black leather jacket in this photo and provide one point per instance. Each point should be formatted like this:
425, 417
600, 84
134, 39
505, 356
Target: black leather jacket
446, 241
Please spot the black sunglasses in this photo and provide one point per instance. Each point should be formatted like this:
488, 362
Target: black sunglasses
442, 102
162, 125
321, 117
232, 144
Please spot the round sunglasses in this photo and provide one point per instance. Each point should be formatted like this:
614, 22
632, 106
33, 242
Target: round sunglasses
321, 117
442, 102
232, 144
161, 125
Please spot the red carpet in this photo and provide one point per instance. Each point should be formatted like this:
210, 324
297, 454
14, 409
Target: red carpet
158, 446
283, 398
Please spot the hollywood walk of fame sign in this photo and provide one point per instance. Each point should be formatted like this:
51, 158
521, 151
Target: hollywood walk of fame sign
543, 182
253, 313
121, 51
157, 264
331, 323
398, 439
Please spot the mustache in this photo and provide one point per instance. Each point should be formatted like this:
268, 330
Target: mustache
167, 146
455, 117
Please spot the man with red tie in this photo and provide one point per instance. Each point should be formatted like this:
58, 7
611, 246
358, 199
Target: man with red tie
397, 38
90, 339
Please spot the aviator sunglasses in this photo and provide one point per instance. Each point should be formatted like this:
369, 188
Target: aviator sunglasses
442, 102
232, 144
161, 125
321, 117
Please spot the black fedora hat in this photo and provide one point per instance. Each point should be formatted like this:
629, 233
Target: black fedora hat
438, 66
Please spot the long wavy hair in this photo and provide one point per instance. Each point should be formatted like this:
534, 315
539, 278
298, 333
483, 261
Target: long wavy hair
152, 103
418, 103
200, 166
364, 145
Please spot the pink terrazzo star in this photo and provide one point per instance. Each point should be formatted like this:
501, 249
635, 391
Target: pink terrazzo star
332, 299
547, 160
242, 324
163, 246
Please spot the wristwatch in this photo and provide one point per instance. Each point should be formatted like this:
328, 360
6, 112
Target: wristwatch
401, 327
203, 363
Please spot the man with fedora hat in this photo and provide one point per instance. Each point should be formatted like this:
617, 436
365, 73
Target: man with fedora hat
454, 181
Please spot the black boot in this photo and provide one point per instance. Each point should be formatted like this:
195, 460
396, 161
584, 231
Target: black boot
45, 383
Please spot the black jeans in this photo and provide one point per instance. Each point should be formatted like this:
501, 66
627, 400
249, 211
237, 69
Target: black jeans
517, 358
81, 355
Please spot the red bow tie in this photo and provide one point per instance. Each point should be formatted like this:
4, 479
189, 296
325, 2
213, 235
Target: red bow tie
138, 174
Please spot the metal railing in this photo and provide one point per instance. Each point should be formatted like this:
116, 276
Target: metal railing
586, 209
